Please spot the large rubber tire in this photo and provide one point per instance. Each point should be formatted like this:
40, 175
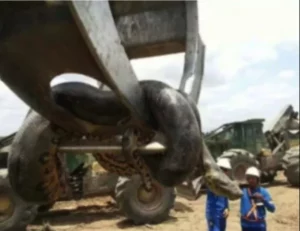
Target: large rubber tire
291, 166
154, 212
21, 213
240, 160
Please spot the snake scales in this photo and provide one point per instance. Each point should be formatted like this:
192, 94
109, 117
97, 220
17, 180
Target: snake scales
37, 174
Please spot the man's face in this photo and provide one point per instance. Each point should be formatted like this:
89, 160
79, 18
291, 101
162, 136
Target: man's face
252, 181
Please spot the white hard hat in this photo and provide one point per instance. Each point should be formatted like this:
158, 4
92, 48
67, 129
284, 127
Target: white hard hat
252, 171
224, 163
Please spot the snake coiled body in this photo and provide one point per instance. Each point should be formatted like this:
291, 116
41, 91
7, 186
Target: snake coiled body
215, 179
43, 181
172, 115
35, 171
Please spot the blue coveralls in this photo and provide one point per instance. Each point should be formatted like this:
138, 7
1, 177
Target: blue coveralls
255, 221
215, 206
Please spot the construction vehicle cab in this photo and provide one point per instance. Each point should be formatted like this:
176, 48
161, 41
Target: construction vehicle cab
243, 134
245, 144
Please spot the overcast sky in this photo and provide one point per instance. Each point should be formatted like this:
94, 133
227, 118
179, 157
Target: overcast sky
252, 63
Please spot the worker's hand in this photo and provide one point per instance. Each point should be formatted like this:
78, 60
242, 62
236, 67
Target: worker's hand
226, 213
258, 196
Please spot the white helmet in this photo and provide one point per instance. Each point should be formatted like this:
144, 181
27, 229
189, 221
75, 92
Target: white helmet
224, 163
252, 171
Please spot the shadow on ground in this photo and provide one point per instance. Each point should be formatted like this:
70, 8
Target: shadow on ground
83, 214
88, 214
126, 223
180, 207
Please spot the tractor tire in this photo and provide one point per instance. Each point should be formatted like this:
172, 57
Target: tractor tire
152, 209
240, 160
291, 166
15, 214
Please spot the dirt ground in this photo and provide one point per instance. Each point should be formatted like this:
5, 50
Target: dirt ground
102, 214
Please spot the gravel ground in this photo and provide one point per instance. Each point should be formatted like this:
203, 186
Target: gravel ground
102, 214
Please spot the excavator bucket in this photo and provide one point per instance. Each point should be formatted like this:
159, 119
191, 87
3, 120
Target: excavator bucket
286, 119
40, 40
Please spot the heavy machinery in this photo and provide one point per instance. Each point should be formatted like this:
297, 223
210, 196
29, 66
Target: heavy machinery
87, 181
41, 40
245, 144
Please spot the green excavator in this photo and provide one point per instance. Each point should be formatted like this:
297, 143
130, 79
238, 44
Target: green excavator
246, 144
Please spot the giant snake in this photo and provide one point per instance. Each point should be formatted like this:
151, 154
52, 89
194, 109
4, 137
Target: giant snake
36, 171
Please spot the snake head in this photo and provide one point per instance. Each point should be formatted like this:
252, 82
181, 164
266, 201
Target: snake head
220, 184
216, 180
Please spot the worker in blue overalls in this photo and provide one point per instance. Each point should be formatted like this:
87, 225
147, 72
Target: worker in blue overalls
254, 203
217, 207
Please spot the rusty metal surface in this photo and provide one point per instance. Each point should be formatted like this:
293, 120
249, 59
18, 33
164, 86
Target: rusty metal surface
153, 33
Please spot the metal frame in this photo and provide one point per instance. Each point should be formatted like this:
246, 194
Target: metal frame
152, 148
194, 55
133, 29
109, 54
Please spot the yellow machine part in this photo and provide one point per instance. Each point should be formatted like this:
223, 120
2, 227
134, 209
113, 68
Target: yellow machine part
265, 152
97, 168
